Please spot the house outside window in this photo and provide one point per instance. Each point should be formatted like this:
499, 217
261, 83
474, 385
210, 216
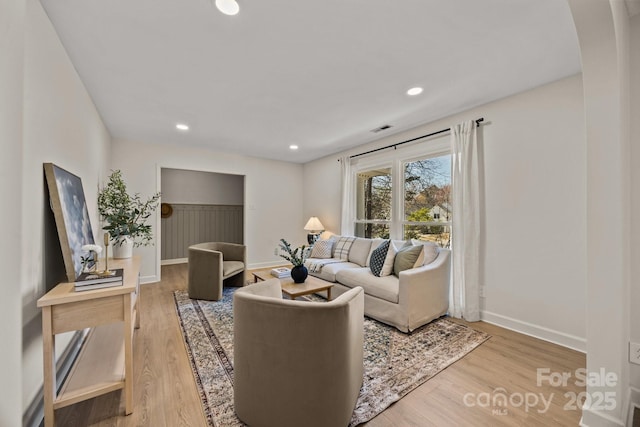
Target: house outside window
404, 194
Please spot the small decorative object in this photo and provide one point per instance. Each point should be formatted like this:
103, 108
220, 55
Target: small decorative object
315, 227
296, 257
90, 262
125, 215
106, 272
166, 210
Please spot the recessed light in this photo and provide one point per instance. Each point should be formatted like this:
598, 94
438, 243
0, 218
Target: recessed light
182, 126
414, 91
293, 147
228, 7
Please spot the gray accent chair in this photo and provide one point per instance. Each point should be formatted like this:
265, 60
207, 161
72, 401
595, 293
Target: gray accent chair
213, 265
296, 363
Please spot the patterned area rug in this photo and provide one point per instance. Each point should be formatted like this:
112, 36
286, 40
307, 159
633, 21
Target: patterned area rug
394, 363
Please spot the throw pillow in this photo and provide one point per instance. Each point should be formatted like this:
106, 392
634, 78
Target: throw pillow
342, 248
322, 249
429, 252
406, 258
381, 263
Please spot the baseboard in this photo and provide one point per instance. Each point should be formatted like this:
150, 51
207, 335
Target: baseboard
556, 337
269, 264
174, 261
633, 406
591, 418
34, 415
148, 279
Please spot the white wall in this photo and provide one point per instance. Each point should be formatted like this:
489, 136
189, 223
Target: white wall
61, 125
273, 194
12, 16
534, 255
201, 188
635, 197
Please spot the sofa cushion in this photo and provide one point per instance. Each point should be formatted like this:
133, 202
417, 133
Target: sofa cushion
360, 251
229, 268
381, 263
386, 288
342, 247
322, 249
406, 258
328, 271
429, 254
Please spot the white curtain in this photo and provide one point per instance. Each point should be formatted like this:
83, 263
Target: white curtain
465, 244
346, 223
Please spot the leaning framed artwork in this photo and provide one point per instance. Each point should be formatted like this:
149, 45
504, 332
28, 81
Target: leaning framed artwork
66, 197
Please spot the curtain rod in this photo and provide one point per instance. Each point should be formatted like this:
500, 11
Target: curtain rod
478, 121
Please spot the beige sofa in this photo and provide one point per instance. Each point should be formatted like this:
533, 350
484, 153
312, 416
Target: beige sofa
296, 363
407, 301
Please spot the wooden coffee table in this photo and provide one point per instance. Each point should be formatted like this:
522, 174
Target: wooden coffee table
294, 290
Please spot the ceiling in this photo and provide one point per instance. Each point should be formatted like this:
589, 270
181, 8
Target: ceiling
318, 74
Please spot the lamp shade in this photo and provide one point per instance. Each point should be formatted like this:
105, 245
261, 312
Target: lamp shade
314, 224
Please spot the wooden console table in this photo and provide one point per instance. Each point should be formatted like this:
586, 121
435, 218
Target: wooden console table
105, 362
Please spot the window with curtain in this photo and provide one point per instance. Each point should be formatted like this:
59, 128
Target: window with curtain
404, 195
373, 203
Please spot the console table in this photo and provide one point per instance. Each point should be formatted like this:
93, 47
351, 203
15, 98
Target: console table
105, 362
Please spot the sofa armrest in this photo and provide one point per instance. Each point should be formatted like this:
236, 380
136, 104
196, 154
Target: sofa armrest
426, 289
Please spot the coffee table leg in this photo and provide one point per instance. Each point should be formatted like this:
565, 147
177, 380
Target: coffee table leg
329, 294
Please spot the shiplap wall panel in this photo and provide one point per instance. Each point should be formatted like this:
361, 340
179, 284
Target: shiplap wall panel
191, 224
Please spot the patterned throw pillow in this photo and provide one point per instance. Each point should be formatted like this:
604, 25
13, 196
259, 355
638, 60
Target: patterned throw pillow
381, 263
342, 248
322, 249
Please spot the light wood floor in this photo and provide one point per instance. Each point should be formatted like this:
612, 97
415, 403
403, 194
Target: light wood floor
165, 393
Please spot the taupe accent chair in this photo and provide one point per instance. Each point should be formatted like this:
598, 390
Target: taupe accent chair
296, 363
213, 265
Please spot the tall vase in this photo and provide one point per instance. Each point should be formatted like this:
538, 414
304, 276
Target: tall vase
123, 250
299, 273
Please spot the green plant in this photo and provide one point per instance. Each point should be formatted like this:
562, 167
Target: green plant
125, 215
295, 256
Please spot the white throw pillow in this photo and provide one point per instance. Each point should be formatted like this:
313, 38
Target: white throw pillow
429, 252
322, 249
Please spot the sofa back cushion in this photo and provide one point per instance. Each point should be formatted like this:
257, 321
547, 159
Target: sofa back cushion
360, 251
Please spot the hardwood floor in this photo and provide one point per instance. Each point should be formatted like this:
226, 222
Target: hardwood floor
467, 393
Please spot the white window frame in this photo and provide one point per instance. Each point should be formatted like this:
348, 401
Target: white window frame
396, 159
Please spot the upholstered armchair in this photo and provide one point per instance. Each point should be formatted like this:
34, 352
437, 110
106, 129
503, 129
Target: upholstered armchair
296, 363
213, 264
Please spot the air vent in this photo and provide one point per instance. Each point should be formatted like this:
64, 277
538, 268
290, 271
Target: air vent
381, 128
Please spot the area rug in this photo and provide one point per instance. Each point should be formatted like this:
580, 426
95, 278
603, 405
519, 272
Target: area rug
394, 363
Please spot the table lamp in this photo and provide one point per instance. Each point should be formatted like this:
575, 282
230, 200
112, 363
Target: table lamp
315, 227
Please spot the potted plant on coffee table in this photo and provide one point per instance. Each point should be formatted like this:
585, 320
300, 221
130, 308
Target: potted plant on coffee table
297, 257
125, 215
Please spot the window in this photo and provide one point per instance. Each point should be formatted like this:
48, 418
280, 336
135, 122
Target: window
373, 205
427, 200
402, 195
